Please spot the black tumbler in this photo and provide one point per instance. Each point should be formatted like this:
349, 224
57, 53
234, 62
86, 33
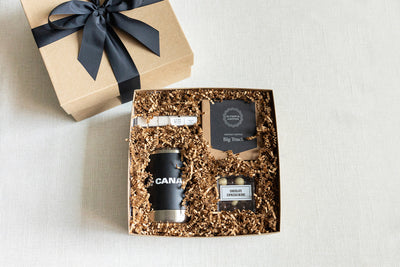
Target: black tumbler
166, 193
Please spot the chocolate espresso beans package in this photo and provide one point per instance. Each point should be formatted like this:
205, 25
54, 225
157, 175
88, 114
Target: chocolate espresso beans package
236, 192
203, 162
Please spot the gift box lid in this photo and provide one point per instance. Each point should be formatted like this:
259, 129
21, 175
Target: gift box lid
77, 90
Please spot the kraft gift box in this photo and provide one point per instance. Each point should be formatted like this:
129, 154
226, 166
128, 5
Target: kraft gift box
83, 96
229, 193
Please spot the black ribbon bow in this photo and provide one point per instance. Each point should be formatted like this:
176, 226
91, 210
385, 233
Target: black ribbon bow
97, 21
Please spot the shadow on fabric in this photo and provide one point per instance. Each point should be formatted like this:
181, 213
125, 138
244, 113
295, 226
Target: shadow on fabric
104, 199
30, 87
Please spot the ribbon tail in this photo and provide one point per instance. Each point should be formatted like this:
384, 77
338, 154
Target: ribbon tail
148, 2
144, 33
123, 5
124, 69
91, 51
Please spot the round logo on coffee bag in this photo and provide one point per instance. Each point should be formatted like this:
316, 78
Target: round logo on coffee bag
232, 117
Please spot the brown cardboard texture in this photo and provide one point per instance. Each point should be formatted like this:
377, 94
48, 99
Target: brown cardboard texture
82, 96
201, 171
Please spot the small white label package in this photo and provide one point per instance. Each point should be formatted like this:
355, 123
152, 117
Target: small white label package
166, 120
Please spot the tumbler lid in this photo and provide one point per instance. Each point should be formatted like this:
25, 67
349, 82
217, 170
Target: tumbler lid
167, 151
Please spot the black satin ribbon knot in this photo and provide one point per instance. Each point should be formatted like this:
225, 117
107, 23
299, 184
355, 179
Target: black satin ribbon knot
97, 21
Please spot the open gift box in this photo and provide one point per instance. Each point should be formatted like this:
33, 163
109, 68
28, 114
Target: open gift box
192, 169
84, 92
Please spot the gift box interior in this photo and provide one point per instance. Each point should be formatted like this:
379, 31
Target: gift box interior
225, 190
83, 96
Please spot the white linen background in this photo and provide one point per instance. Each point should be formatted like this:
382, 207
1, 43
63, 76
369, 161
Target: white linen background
335, 70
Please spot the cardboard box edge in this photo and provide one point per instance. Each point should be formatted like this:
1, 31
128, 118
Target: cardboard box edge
279, 176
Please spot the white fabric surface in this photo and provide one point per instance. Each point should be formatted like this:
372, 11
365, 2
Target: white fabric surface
335, 70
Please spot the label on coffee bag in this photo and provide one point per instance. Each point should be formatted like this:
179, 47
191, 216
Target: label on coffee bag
235, 192
232, 121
